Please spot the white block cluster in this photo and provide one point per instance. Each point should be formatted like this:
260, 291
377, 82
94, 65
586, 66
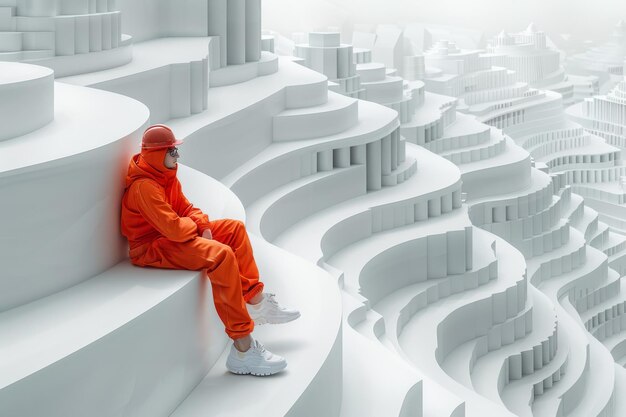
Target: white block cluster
325, 53
238, 25
534, 63
40, 30
605, 116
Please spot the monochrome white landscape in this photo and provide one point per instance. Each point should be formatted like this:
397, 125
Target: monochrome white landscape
446, 208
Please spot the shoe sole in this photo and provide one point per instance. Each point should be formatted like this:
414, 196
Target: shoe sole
246, 371
261, 321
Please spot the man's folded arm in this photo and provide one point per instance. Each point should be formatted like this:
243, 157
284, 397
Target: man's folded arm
152, 205
186, 209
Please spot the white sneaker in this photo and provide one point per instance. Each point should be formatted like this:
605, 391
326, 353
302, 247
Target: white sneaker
268, 311
256, 361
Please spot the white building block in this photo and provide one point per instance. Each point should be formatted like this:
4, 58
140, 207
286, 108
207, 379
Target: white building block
325, 39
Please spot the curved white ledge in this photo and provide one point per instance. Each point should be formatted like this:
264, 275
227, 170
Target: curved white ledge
26, 98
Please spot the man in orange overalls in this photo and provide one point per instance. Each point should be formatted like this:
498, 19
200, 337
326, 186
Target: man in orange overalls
165, 230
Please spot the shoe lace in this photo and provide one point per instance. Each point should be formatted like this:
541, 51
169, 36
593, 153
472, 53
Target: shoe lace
270, 299
259, 346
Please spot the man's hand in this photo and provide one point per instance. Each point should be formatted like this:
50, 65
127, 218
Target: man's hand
207, 234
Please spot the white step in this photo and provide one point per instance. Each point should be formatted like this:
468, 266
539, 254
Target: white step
477, 152
588, 276
117, 331
460, 363
337, 115
26, 55
403, 172
386, 91
518, 204
565, 259
370, 72
333, 229
362, 358
586, 388
280, 163
436, 331
520, 229
405, 302
464, 132
33, 41
592, 302
519, 395
439, 247
526, 356
11, 41
285, 206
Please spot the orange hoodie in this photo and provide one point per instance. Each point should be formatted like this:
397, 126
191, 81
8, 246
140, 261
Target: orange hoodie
154, 205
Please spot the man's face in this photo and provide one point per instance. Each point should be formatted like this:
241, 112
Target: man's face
171, 156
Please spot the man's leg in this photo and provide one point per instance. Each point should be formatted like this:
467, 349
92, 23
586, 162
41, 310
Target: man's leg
263, 308
221, 265
233, 233
246, 356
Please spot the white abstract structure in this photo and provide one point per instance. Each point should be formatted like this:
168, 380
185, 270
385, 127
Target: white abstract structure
605, 61
324, 53
62, 33
527, 53
442, 263
605, 116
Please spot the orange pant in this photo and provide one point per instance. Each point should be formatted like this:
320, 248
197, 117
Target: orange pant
230, 266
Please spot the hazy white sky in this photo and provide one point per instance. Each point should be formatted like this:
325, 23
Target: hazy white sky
586, 19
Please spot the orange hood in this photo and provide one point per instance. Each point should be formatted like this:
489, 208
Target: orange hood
149, 164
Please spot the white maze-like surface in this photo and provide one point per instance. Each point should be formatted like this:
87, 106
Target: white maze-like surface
437, 234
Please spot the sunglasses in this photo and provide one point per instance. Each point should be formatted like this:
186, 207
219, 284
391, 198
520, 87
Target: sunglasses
173, 152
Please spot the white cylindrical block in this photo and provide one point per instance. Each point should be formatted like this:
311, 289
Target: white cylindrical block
116, 29
218, 26
197, 86
386, 155
180, 90
344, 62
81, 36
65, 41
73, 7
106, 32
374, 174
395, 137
95, 33
26, 98
236, 42
253, 30
37, 8
325, 160
325, 39
341, 158
102, 6
267, 43
357, 155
